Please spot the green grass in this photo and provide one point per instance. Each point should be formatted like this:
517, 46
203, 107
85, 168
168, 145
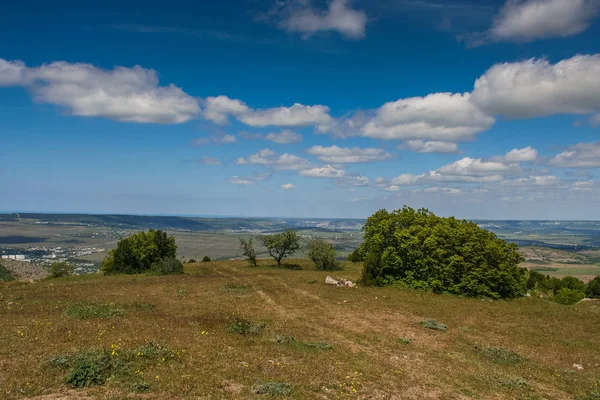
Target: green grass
191, 315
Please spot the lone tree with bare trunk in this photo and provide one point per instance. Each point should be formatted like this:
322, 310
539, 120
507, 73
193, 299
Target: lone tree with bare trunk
281, 245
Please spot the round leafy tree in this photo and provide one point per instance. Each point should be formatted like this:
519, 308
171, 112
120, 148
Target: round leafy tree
417, 249
139, 253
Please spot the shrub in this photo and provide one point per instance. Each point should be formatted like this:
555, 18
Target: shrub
568, 296
60, 269
282, 244
192, 261
433, 324
593, 288
139, 252
167, 266
206, 259
323, 255
248, 251
356, 256
273, 388
242, 326
5, 274
424, 251
570, 282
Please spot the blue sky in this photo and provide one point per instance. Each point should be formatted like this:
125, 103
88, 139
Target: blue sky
479, 109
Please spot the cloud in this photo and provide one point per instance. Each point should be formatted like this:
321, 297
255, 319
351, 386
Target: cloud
269, 158
581, 155
528, 20
438, 117
323, 172
421, 146
519, 155
536, 88
474, 167
11, 72
299, 16
223, 139
339, 155
284, 137
218, 109
541, 180
206, 160
122, 94
237, 180
288, 186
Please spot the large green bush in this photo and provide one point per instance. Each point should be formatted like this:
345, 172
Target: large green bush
139, 253
593, 288
568, 296
418, 249
5, 274
322, 253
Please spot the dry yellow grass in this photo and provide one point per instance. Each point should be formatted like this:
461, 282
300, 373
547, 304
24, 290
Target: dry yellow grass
363, 324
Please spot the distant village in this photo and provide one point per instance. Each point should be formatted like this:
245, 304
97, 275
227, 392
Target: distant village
44, 256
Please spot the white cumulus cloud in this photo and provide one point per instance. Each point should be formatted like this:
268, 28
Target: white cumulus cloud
339, 155
323, 172
536, 88
122, 94
518, 155
288, 186
422, 146
528, 20
218, 109
284, 137
438, 117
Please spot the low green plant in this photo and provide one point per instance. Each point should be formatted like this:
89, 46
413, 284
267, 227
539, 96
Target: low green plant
273, 388
291, 341
167, 266
96, 367
500, 355
568, 296
312, 281
60, 269
433, 324
90, 369
242, 326
404, 340
142, 306
514, 383
235, 287
88, 310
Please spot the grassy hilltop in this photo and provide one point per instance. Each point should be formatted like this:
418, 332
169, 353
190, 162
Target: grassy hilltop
224, 330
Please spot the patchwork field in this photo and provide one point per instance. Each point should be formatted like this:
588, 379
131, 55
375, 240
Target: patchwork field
227, 331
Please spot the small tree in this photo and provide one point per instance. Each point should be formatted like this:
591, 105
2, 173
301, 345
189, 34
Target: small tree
60, 269
281, 245
593, 288
206, 259
570, 282
322, 253
248, 251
